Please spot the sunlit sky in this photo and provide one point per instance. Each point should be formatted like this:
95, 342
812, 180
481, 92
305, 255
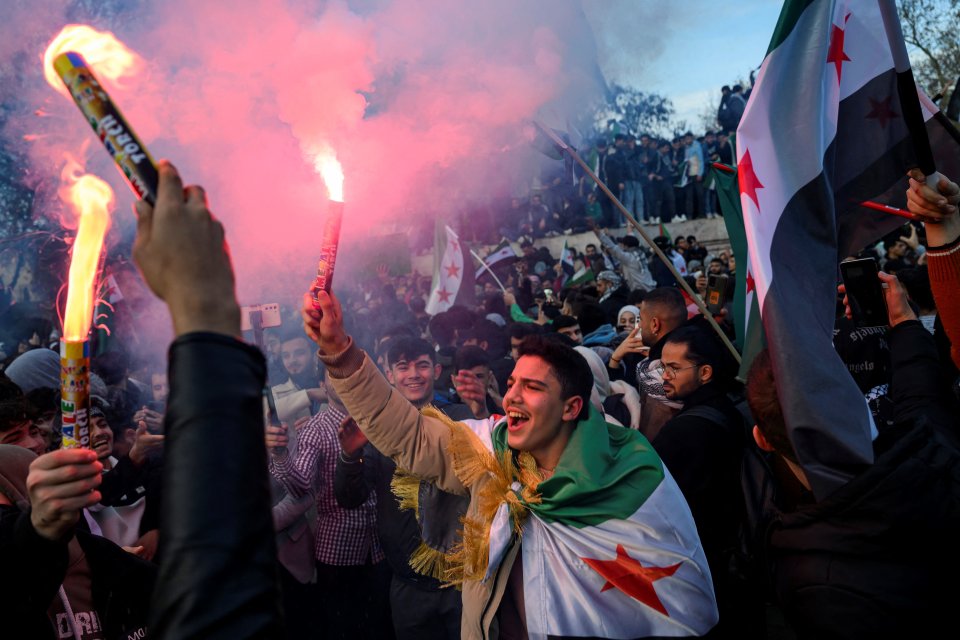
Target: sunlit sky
684, 49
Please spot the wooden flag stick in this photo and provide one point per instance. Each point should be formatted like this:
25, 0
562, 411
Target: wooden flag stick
636, 225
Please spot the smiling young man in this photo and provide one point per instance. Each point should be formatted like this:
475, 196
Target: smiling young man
608, 546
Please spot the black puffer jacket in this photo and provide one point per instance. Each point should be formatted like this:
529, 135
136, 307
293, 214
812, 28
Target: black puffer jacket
218, 576
879, 558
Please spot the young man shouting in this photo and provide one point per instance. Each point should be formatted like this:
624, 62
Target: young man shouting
574, 527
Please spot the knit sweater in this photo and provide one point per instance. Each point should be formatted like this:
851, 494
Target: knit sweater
943, 264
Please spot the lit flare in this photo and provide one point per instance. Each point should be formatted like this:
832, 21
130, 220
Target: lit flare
112, 59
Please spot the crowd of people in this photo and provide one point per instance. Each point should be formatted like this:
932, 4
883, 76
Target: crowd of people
367, 470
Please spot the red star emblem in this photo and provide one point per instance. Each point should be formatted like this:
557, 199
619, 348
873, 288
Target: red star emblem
632, 578
835, 53
749, 183
452, 271
882, 111
444, 295
751, 283
455, 245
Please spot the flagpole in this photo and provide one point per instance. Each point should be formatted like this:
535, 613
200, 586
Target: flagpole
484, 265
636, 225
907, 90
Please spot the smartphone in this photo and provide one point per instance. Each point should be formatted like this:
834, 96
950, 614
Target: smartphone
549, 294
716, 292
865, 293
269, 316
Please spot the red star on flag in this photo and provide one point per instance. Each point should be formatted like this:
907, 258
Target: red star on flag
882, 111
835, 53
444, 295
452, 271
751, 283
632, 578
455, 245
749, 183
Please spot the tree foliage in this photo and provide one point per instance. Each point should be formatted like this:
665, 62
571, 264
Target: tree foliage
629, 110
930, 30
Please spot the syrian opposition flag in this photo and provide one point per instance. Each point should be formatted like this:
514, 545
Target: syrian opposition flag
501, 253
566, 263
746, 317
824, 130
451, 283
610, 550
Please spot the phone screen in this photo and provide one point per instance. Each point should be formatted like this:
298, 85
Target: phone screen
716, 292
865, 293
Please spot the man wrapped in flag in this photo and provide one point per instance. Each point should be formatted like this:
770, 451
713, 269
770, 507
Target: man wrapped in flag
574, 528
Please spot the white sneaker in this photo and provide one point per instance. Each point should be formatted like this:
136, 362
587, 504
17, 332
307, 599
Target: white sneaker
680, 218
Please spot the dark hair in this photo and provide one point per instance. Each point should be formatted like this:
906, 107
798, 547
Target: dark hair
563, 322
692, 238
591, 317
668, 303
470, 357
764, 403
570, 368
112, 366
405, 347
13, 404
484, 330
442, 328
703, 347
520, 330
293, 332
630, 241
42, 400
417, 305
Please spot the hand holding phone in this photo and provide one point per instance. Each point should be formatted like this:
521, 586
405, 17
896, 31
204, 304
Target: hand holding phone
716, 292
864, 292
895, 298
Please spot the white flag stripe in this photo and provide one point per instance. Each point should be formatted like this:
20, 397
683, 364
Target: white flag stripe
772, 142
564, 594
451, 275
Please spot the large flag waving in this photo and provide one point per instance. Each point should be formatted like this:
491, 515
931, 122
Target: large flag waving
502, 253
452, 278
823, 131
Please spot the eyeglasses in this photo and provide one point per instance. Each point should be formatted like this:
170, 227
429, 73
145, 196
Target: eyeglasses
664, 369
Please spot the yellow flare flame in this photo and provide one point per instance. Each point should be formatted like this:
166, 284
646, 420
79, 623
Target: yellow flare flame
92, 199
106, 55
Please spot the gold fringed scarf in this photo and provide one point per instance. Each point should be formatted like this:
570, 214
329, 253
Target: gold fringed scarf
495, 476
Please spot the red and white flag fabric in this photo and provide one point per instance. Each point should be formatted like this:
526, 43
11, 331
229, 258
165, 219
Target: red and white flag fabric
449, 262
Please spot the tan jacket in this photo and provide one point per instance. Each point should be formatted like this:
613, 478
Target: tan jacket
419, 444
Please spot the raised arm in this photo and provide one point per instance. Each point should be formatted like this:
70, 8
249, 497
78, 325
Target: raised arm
393, 425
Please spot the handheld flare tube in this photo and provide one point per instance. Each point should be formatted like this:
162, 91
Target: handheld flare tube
121, 142
328, 250
75, 392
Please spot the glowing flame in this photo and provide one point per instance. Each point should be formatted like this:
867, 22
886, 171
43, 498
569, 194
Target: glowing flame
108, 57
332, 174
92, 199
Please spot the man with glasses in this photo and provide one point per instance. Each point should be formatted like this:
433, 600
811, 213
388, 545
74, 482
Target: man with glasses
703, 447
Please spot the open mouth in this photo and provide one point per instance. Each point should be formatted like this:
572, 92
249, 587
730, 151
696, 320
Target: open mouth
516, 419
101, 443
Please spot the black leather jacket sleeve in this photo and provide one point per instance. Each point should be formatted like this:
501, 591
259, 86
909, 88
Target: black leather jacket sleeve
218, 572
